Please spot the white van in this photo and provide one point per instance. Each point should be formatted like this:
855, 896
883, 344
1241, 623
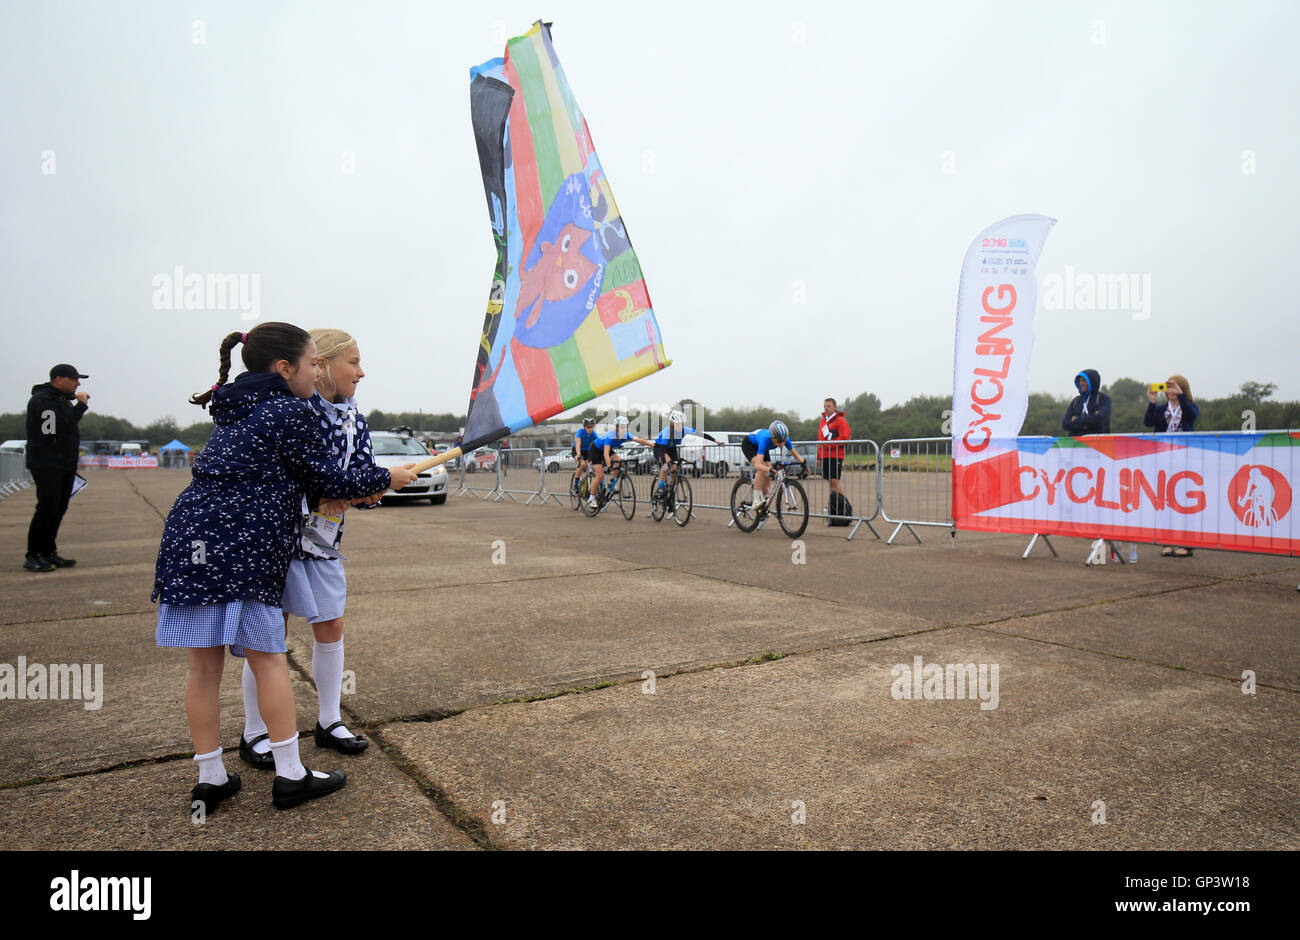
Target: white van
714, 459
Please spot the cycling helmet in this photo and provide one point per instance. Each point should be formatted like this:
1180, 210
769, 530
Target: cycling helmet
780, 433
620, 421
588, 422
676, 417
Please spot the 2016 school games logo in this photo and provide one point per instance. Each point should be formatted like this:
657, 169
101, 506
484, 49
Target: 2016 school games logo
1259, 496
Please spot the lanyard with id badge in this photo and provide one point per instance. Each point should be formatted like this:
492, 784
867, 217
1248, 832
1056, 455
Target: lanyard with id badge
321, 533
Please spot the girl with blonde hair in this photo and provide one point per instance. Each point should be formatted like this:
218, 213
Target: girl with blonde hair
316, 587
1178, 414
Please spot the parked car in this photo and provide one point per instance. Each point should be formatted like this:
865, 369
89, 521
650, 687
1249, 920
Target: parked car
638, 458
556, 461
393, 450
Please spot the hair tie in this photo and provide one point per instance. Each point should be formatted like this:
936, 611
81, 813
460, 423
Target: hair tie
217, 386
243, 337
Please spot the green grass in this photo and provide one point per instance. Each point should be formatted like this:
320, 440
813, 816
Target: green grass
916, 463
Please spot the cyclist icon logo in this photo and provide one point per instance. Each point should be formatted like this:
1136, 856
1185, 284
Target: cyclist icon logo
1259, 495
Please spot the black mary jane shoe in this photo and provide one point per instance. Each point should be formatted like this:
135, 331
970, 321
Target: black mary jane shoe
252, 758
286, 793
353, 744
210, 795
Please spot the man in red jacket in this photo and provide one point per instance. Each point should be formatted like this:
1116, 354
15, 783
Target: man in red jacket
831, 456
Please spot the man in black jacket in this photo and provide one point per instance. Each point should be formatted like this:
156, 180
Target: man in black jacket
1089, 413
53, 445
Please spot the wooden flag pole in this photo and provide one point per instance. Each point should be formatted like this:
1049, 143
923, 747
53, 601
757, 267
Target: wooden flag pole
436, 459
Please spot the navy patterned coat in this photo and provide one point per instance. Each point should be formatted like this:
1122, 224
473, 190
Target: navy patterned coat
230, 534
332, 421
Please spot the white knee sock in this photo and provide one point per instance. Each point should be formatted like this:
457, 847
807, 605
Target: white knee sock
211, 770
287, 763
253, 723
327, 670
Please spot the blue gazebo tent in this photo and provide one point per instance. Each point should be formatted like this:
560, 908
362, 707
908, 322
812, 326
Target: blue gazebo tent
174, 445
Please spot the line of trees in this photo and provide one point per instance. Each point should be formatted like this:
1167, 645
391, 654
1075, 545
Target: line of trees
923, 416
98, 427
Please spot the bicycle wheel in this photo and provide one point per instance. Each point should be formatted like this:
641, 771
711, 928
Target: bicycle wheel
625, 494
578, 491
742, 494
584, 504
658, 503
682, 501
792, 509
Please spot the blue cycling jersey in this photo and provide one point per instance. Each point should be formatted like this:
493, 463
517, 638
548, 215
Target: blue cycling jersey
668, 438
762, 439
611, 440
584, 439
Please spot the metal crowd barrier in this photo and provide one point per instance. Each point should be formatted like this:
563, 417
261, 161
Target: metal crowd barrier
916, 484
859, 481
14, 475
905, 482
521, 471
475, 478
557, 468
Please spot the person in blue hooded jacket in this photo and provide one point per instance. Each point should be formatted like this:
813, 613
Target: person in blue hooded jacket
227, 542
1089, 413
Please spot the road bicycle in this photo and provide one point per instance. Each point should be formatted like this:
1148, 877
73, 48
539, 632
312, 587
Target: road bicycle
580, 489
616, 488
785, 497
674, 499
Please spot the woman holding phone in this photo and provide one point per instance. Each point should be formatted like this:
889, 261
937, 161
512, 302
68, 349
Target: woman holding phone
1178, 414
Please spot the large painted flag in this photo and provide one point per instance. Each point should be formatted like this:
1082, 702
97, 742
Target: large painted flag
569, 315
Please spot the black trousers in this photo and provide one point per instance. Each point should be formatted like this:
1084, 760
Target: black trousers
53, 488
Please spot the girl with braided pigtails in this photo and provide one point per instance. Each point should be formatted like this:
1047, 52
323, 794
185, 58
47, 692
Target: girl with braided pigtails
227, 544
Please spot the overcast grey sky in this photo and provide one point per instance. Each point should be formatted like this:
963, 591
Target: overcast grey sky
843, 154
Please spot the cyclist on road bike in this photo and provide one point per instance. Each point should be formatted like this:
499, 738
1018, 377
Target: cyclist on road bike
604, 451
756, 446
666, 442
583, 442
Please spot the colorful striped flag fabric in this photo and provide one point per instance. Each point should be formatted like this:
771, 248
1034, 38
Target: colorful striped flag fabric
569, 314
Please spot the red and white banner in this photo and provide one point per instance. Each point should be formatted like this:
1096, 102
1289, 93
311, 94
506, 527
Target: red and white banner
995, 334
104, 461
1230, 490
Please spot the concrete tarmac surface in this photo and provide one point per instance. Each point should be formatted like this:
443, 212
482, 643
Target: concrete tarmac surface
533, 679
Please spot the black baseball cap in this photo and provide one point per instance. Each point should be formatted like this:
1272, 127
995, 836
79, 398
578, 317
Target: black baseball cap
66, 371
